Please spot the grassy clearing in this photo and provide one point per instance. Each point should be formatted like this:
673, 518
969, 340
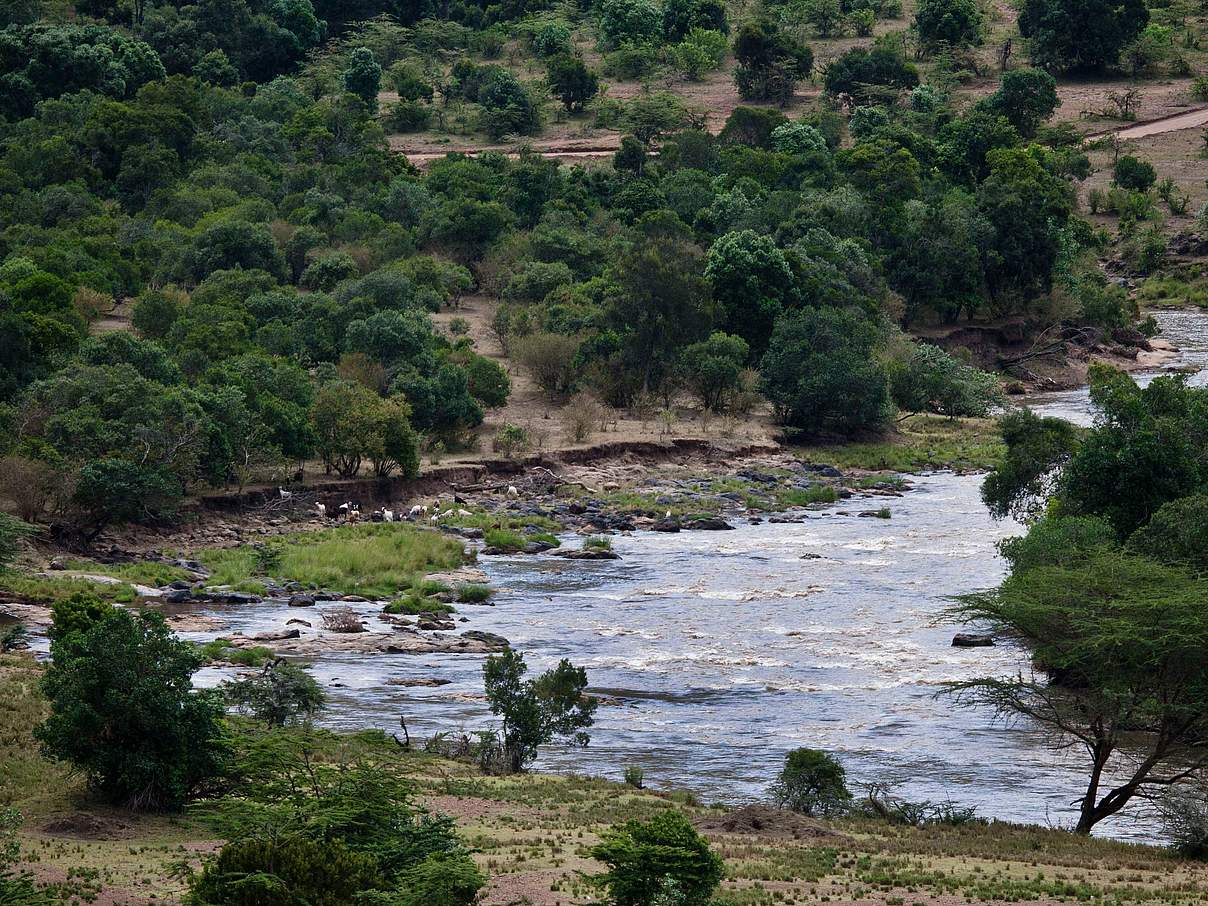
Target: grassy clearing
28, 782
923, 442
47, 590
474, 594
1173, 292
376, 559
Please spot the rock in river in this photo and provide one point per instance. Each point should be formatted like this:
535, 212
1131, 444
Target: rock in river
588, 553
972, 640
708, 524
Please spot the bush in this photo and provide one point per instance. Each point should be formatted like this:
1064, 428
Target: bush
634, 776
571, 82
630, 21
511, 439
1176, 533
281, 694
283, 871
12, 533
860, 71
797, 138
643, 856
1134, 174
813, 783
474, 594
507, 105
442, 879
550, 360
712, 367
408, 116
1184, 814
931, 380
123, 708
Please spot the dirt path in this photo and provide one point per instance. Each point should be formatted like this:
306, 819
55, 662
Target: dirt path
1189, 119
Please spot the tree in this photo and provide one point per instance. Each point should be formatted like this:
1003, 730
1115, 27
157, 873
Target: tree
124, 712
664, 855
937, 265
813, 783
280, 694
751, 279
1037, 448
353, 424
682, 16
630, 21
931, 380
1117, 646
770, 62
861, 71
661, 303
1081, 35
820, 373
951, 22
549, 358
507, 105
1025, 97
535, 712
363, 76
712, 368
571, 81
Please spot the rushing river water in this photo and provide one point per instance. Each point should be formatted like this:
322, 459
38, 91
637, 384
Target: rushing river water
719, 651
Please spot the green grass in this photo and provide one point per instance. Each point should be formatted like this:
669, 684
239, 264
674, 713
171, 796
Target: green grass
28, 781
922, 442
374, 560
1172, 292
597, 544
413, 605
47, 590
144, 573
220, 650
474, 594
485, 520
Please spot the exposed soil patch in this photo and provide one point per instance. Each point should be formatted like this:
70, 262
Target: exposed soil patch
88, 827
766, 821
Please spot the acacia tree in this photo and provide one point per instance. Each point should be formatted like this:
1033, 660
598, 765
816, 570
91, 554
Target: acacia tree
535, 712
1117, 646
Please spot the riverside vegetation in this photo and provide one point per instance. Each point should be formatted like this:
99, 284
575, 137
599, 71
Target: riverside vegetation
216, 272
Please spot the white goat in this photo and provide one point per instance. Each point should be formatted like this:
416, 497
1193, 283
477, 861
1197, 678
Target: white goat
388, 515
512, 492
285, 495
321, 510
415, 512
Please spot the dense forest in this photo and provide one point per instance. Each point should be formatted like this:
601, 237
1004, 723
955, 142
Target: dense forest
226, 170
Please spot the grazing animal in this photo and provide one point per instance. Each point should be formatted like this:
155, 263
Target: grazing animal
415, 512
354, 515
667, 515
285, 495
434, 519
464, 514
457, 499
388, 515
512, 492
321, 510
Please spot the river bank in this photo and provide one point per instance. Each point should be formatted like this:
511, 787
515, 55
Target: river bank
530, 834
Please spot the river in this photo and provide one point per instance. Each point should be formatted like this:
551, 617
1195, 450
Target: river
718, 652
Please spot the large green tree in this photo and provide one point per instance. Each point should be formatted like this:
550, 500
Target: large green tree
1080, 34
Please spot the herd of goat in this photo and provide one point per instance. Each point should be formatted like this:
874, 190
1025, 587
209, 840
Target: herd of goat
350, 511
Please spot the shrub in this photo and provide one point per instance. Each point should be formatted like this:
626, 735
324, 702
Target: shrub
1133, 173
474, 594
281, 694
550, 360
12, 533
511, 439
1184, 814
342, 619
552, 39
442, 879
580, 417
1176, 533
642, 856
571, 82
952, 22
797, 138
283, 871
408, 116
630, 21
813, 783
123, 708
634, 776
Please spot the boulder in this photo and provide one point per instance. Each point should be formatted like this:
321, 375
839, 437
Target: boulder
497, 642
819, 469
279, 636
296, 622
708, 524
420, 681
972, 640
178, 596
588, 553
666, 525
302, 601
